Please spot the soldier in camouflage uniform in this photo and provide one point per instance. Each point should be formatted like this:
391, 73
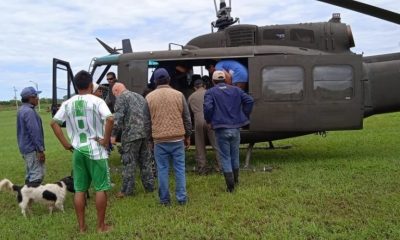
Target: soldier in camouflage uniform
132, 118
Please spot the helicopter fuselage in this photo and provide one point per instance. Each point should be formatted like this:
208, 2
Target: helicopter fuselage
303, 77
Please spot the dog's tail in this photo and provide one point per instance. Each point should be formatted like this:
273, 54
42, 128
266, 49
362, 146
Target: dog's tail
6, 184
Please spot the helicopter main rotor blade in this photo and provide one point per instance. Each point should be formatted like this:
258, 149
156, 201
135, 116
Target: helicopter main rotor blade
108, 48
366, 9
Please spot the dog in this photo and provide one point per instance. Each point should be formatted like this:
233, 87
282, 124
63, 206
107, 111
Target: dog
52, 194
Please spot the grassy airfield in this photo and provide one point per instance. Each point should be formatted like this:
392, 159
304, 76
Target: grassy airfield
344, 186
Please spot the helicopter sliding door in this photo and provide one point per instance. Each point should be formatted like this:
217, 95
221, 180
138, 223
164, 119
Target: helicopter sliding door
296, 93
134, 75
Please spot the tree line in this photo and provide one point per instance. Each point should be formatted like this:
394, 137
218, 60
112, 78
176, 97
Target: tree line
12, 102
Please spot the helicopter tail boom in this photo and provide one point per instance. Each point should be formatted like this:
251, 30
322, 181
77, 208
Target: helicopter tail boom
382, 84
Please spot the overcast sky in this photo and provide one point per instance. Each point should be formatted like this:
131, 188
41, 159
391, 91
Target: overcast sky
35, 32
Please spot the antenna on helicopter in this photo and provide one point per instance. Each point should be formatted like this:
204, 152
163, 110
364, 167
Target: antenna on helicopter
224, 18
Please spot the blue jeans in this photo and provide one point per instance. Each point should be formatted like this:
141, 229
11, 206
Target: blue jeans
35, 169
228, 140
163, 152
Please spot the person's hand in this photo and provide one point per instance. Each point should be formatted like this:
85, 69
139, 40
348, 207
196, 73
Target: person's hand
103, 142
68, 147
187, 142
41, 157
113, 140
209, 126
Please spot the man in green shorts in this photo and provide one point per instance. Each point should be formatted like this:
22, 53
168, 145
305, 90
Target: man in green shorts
89, 123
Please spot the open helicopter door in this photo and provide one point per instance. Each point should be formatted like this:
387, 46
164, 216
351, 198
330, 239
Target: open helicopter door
62, 83
134, 74
297, 93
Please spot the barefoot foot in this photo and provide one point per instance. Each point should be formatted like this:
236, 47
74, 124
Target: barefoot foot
105, 229
83, 229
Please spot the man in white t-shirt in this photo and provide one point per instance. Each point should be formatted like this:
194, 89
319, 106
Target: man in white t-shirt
89, 123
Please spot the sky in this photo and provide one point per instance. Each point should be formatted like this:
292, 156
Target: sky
35, 32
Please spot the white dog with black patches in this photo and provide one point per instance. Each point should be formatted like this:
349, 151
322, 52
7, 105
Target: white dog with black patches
52, 194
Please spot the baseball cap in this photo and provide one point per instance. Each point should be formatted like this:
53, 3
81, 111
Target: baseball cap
161, 74
29, 92
218, 75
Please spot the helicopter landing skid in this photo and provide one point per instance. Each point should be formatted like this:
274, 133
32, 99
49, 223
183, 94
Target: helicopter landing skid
248, 155
250, 150
272, 147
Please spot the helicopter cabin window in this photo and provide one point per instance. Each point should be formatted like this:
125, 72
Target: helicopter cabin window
285, 83
333, 82
274, 34
302, 35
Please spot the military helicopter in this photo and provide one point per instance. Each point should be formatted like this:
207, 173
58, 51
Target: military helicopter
303, 77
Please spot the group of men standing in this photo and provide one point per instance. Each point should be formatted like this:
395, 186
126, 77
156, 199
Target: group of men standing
160, 123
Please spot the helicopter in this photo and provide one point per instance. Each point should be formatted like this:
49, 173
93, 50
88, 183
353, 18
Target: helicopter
303, 77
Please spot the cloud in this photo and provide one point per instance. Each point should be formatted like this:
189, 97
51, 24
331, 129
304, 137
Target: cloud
34, 32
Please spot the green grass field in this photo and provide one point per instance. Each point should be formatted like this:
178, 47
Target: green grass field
344, 186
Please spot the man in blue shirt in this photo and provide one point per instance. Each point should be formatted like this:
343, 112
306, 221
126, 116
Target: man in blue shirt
227, 108
30, 137
235, 73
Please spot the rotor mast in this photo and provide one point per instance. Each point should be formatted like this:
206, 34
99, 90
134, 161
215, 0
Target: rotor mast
223, 15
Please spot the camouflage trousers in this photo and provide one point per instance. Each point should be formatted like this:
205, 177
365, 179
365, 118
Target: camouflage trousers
132, 153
